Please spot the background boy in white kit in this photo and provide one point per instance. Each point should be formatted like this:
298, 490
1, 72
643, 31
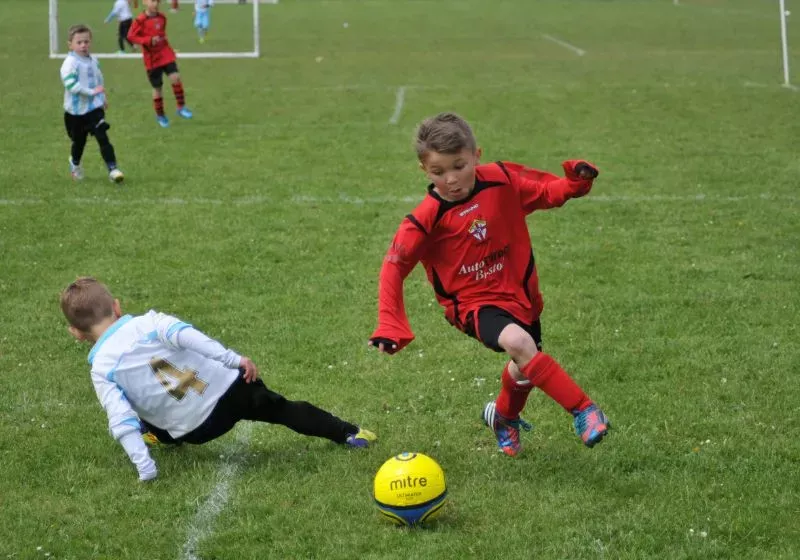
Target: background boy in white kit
158, 376
85, 104
122, 11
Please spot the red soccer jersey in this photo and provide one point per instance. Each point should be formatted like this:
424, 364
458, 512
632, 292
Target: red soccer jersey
476, 252
142, 31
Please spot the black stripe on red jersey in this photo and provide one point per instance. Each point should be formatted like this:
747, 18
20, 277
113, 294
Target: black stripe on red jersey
504, 170
415, 221
438, 287
527, 277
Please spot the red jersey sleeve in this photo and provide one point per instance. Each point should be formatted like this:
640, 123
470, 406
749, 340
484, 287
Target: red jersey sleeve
539, 190
137, 34
403, 255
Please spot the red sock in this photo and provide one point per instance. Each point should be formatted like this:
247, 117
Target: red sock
513, 396
545, 373
158, 103
174, 4
177, 89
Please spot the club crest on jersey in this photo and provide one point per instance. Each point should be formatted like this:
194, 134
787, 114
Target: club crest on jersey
478, 230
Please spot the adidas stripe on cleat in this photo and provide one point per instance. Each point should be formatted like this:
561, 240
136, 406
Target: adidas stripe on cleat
505, 430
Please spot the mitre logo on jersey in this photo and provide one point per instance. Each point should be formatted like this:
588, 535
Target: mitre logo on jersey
478, 230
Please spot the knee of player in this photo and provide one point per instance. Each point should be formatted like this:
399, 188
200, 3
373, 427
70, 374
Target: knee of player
517, 343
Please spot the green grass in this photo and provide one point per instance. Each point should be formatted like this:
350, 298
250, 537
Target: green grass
671, 291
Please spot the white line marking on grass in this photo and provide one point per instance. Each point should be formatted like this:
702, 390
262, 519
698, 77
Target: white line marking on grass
791, 87
398, 105
573, 48
202, 526
351, 200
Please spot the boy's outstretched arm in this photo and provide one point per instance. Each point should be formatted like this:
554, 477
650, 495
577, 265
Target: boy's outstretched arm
124, 425
394, 332
540, 189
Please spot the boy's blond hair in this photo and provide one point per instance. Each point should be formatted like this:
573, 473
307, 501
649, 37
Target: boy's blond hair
86, 302
446, 133
79, 28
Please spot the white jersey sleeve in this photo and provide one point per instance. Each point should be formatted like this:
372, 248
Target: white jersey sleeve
123, 423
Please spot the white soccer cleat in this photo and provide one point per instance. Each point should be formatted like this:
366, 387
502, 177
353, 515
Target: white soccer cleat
76, 171
116, 176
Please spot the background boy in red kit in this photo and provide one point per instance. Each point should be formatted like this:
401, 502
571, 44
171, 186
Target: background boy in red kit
471, 236
149, 29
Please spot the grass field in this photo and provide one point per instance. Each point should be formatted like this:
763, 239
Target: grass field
671, 291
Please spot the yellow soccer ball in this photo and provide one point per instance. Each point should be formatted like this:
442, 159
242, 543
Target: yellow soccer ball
409, 489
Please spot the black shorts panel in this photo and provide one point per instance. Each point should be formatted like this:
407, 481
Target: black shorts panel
491, 321
155, 76
81, 125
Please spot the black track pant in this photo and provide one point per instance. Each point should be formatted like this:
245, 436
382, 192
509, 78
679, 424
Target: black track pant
79, 127
122, 33
254, 401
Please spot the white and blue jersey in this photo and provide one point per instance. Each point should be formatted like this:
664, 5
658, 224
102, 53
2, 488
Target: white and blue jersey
202, 13
80, 75
159, 369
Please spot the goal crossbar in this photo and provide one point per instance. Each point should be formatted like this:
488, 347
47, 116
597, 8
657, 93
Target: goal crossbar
255, 53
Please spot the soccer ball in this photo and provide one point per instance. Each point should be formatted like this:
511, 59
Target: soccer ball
410, 489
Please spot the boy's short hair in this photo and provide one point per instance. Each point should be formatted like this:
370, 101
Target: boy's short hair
79, 28
446, 133
86, 302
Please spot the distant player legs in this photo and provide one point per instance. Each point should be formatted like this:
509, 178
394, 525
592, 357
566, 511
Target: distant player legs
201, 23
122, 34
177, 89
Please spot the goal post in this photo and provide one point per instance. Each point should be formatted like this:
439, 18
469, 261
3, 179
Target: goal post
57, 41
785, 45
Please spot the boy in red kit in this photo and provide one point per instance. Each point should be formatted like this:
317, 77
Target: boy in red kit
471, 236
149, 29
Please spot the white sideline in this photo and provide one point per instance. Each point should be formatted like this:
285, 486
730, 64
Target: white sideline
573, 48
398, 105
203, 523
346, 199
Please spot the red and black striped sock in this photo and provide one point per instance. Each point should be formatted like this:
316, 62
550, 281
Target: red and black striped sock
158, 104
177, 89
544, 372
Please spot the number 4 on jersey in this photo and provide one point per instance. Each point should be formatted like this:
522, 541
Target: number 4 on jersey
177, 382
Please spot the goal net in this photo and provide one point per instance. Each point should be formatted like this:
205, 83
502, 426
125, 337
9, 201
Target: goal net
233, 30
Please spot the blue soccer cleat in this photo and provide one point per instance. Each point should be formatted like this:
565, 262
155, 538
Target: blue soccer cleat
363, 438
591, 425
185, 113
163, 121
505, 430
